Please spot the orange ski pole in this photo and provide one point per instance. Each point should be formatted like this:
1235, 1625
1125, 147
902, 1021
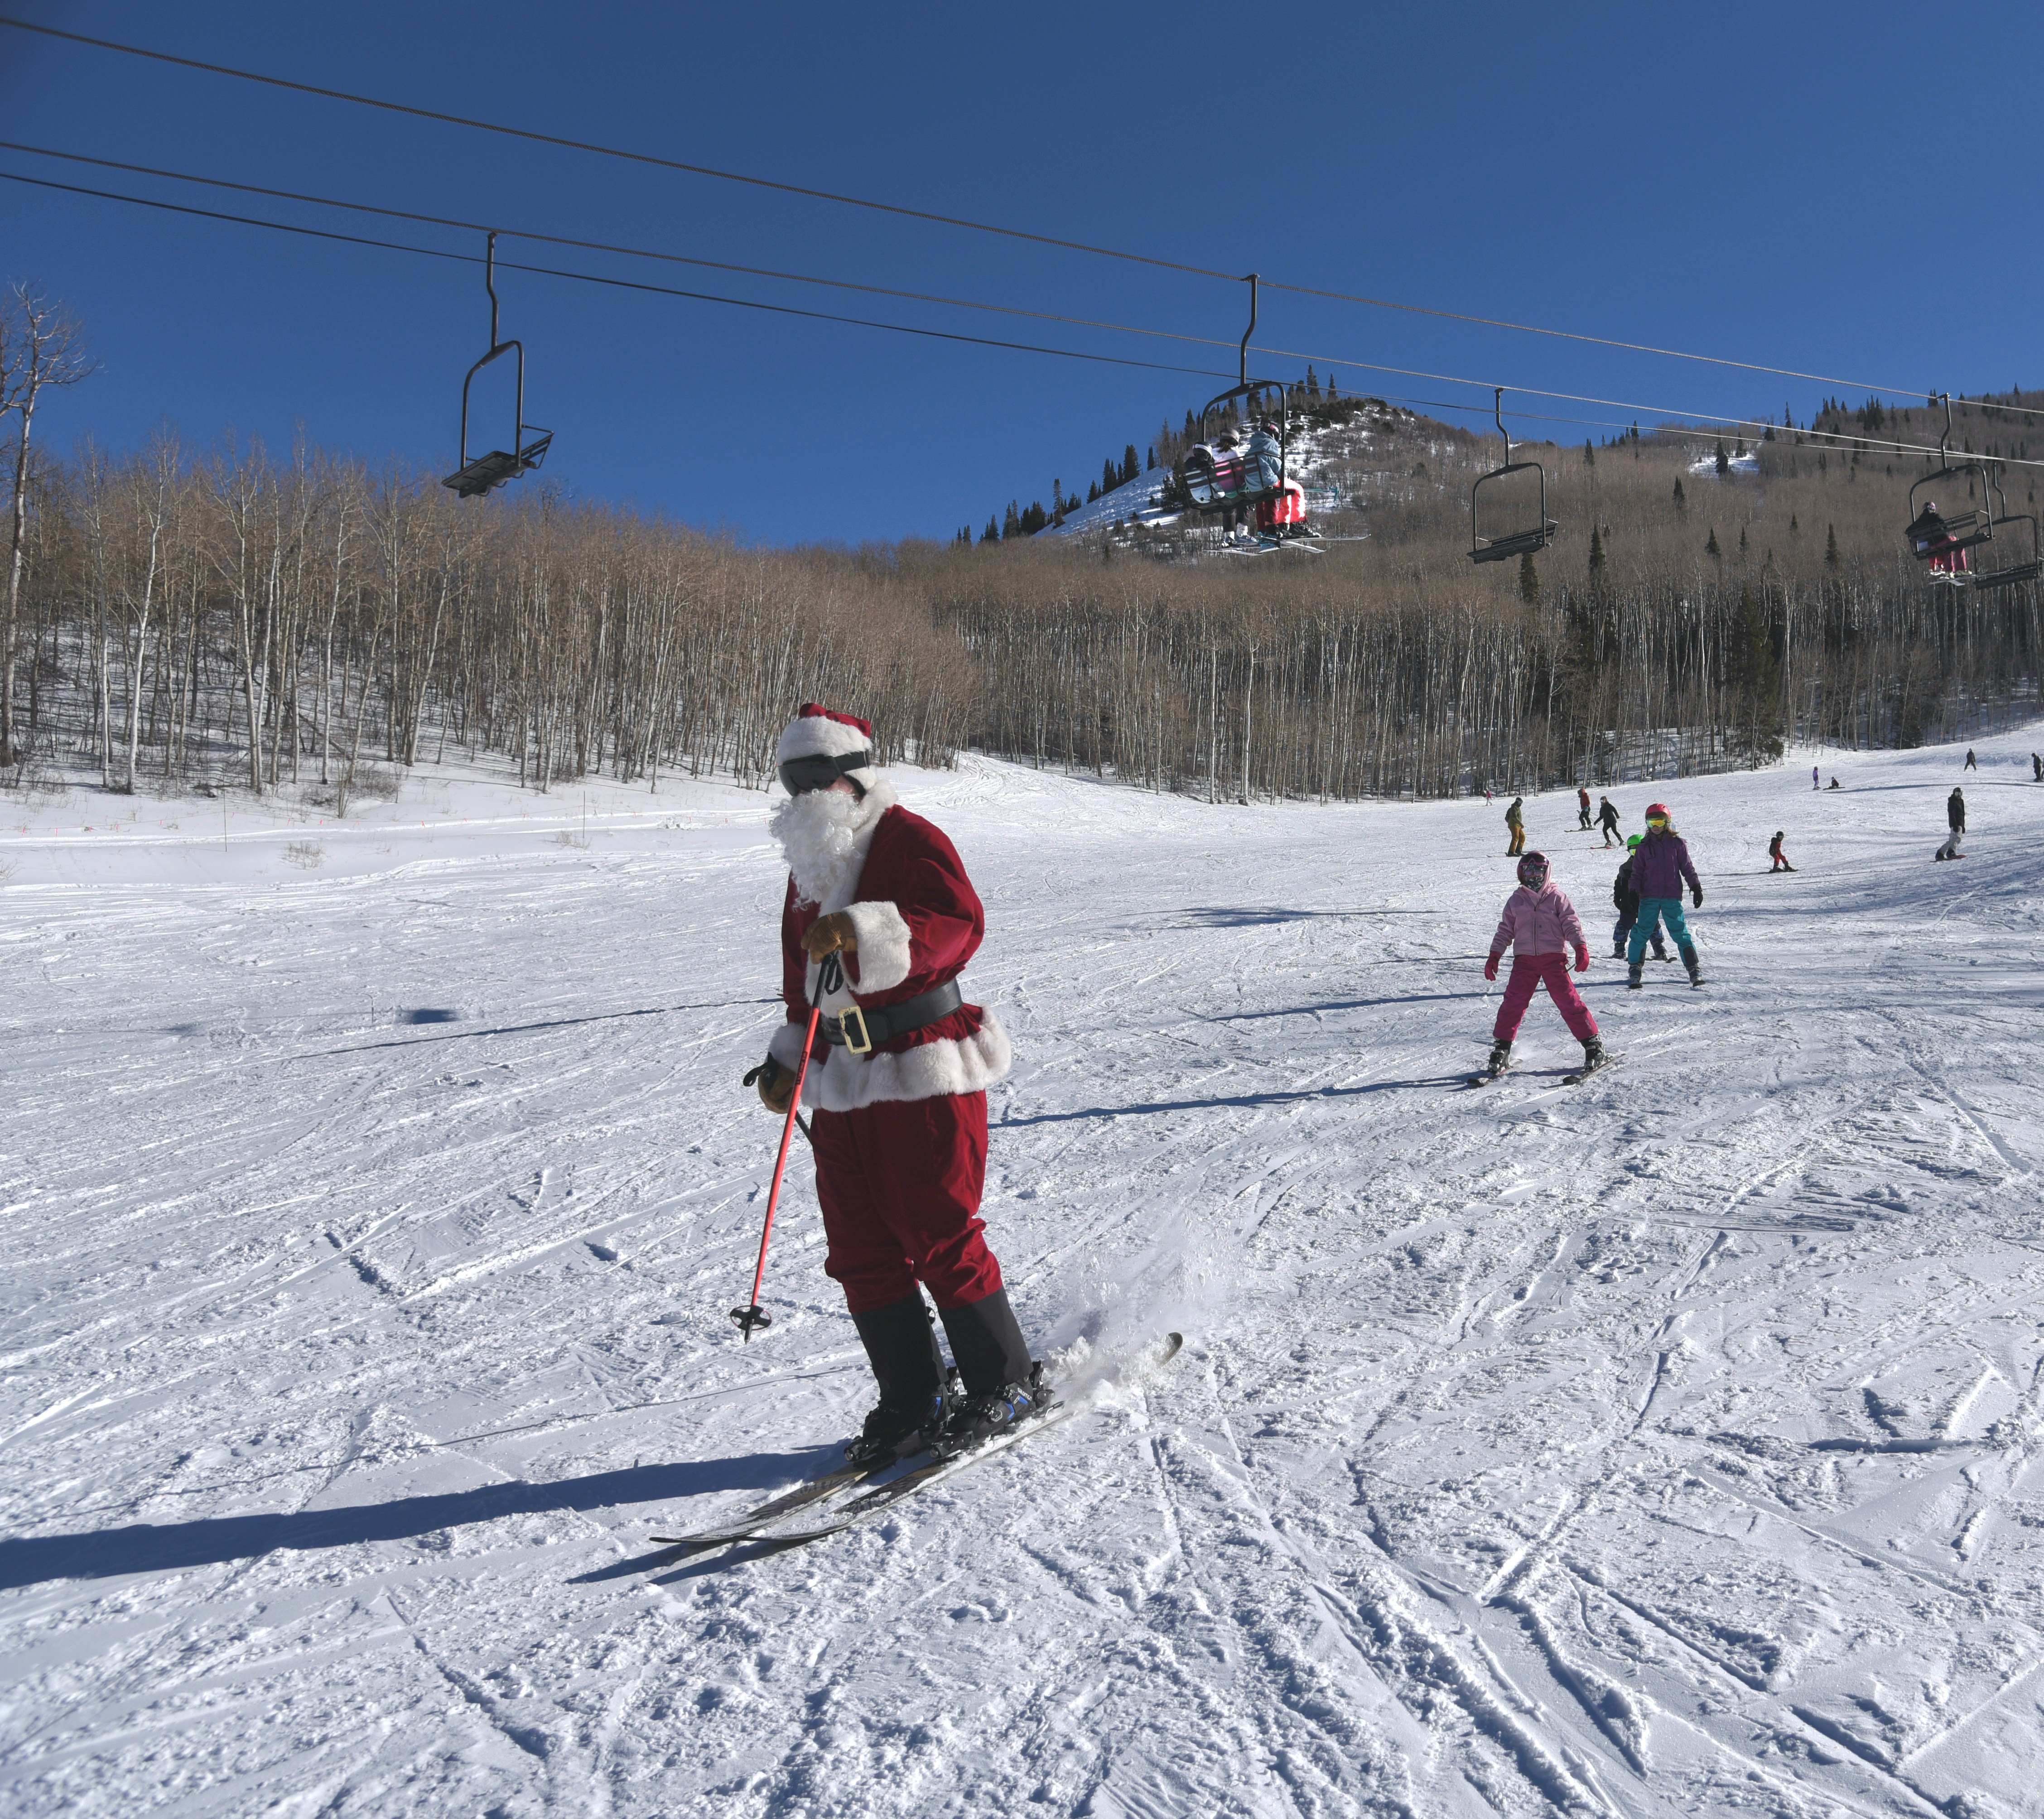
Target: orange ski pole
754, 1315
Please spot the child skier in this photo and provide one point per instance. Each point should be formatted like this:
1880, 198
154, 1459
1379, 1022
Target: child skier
1659, 869
1774, 852
1541, 926
1625, 900
1608, 820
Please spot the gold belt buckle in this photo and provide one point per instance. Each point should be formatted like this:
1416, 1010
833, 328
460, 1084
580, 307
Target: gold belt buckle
861, 1044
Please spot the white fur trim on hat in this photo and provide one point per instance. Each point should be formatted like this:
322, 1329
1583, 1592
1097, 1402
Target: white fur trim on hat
818, 735
883, 944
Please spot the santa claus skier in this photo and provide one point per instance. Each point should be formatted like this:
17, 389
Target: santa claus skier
878, 922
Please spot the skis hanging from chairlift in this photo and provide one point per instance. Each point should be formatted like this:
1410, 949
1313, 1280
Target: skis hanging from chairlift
1938, 540
473, 478
1255, 482
1528, 538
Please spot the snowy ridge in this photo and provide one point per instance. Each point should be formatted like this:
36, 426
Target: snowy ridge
1665, 1446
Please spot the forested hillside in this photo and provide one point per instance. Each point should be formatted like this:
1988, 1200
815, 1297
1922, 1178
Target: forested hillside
237, 620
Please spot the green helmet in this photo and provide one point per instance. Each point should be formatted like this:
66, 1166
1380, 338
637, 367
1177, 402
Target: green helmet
1632, 844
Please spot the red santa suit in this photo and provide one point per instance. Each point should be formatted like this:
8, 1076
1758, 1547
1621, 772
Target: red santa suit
899, 1134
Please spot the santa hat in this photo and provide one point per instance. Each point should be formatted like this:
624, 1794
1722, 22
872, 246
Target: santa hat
816, 732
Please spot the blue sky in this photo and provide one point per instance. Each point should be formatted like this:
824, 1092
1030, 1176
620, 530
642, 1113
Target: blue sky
1846, 188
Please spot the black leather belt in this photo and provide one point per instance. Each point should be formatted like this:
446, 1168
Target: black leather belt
862, 1031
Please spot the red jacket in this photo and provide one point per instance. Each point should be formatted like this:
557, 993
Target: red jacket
918, 921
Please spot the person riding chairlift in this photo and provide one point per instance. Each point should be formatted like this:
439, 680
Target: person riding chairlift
1932, 540
1266, 457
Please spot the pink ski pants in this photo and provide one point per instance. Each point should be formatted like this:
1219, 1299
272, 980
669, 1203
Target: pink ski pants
1551, 970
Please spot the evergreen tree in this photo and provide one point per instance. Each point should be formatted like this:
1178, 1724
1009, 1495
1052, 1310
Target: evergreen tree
1710, 545
1153, 460
1724, 466
991, 533
1589, 453
1832, 559
1741, 543
1597, 553
1312, 383
1110, 476
1057, 498
1035, 519
1795, 529
1529, 579
1011, 526
1131, 466
1092, 492
1681, 498
1332, 394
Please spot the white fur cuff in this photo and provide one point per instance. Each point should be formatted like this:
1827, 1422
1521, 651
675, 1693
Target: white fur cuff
883, 944
787, 1047
968, 1063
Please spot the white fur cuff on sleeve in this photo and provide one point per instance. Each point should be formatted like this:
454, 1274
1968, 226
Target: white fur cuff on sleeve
787, 1047
883, 944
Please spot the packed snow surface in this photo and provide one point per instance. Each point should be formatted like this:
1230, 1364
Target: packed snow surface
375, 1196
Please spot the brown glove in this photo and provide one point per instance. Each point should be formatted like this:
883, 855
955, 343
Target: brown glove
829, 934
777, 1087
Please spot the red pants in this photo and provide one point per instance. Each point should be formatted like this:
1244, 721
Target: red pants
900, 1184
1552, 969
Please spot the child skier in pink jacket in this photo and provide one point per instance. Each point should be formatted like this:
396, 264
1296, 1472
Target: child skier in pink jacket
1541, 926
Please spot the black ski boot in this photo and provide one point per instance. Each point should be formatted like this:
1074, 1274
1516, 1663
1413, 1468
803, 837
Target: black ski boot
902, 1346
1660, 952
1632, 977
979, 1418
1593, 1055
1617, 950
1695, 965
1500, 1059
1001, 1384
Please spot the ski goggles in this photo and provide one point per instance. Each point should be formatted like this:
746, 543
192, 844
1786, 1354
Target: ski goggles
1657, 820
799, 774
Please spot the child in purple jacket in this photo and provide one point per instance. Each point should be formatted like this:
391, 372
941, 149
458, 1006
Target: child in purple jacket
1541, 926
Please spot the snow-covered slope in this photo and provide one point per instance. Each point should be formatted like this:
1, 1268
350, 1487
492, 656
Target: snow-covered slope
1665, 1446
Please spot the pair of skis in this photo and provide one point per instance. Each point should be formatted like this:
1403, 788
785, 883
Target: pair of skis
854, 1495
1483, 1076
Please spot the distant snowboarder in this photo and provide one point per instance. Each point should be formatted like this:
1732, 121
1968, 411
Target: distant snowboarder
1625, 900
1659, 869
1583, 810
1515, 819
1774, 852
1955, 810
1835, 783
898, 1078
1607, 819
1970, 764
1540, 926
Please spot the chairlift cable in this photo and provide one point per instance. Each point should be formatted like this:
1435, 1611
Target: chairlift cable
615, 283
654, 159
1330, 360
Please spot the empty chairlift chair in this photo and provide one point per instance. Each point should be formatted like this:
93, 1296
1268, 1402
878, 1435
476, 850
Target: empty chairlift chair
473, 478
2019, 568
1518, 538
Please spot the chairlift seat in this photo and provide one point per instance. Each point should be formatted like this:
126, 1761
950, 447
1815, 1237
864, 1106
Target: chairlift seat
1518, 544
2013, 576
495, 467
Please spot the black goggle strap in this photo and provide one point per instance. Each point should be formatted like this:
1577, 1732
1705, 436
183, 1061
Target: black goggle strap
818, 772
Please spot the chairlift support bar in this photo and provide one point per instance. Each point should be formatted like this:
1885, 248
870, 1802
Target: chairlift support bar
473, 478
1525, 542
1961, 530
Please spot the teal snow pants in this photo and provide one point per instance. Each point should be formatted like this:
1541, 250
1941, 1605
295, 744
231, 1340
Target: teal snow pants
1653, 912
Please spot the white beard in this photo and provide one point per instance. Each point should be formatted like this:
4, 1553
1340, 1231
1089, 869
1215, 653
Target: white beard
819, 831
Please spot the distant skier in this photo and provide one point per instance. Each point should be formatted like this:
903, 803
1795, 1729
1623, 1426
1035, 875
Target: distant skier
1774, 852
2036, 769
1607, 819
1970, 764
1515, 819
1583, 810
1659, 869
1625, 900
1814, 783
879, 921
1539, 925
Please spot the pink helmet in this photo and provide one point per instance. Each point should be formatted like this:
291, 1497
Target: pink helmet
1533, 870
